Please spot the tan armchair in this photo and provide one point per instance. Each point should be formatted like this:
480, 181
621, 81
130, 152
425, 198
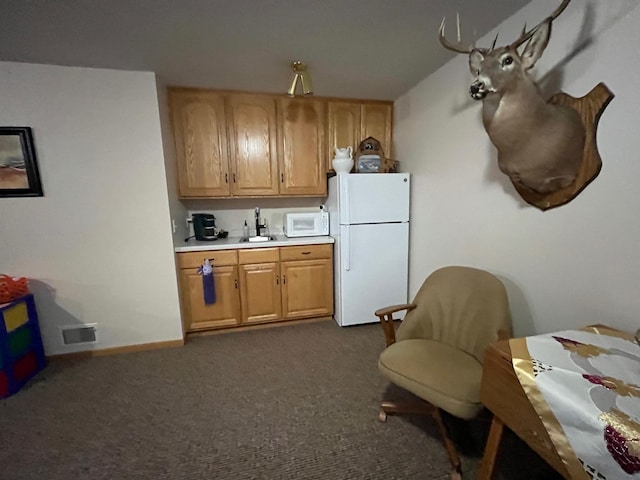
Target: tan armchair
437, 351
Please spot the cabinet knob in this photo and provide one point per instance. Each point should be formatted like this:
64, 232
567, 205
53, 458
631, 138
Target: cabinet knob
277, 280
284, 279
226, 178
282, 177
234, 178
305, 253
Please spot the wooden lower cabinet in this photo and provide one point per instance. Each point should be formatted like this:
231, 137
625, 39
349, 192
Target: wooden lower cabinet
258, 285
307, 288
224, 313
307, 281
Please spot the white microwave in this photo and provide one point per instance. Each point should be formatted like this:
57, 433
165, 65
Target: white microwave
306, 224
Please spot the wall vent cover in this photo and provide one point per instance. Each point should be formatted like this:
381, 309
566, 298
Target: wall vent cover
75, 334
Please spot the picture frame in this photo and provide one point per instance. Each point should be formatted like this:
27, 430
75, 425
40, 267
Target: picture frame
19, 175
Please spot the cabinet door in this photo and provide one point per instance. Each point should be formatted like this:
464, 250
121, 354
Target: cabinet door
376, 122
260, 292
201, 143
251, 121
303, 163
225, 312
344, 128
307, 288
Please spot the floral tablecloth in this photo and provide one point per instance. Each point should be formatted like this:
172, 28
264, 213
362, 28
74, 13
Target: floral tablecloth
585, 387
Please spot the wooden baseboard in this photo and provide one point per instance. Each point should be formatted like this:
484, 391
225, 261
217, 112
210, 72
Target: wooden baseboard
117, 350
259, 326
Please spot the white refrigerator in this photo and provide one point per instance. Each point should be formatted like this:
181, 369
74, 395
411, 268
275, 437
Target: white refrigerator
369, 220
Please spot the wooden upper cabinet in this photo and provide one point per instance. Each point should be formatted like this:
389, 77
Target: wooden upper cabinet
351, 122
376, 122
200, 135
303, 165
251, 123
344, 127
232, 144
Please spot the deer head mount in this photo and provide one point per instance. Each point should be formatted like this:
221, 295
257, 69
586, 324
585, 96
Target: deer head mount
540, 143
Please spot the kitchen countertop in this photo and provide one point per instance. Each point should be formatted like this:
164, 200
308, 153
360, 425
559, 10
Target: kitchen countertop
234, 242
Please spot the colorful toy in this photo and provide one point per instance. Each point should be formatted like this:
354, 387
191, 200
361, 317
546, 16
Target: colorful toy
21, 350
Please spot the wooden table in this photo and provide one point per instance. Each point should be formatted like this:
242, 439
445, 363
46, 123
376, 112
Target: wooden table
503, 395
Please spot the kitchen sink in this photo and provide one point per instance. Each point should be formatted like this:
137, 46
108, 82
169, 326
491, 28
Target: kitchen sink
270, 238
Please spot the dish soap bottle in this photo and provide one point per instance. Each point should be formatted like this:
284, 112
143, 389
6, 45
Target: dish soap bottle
245, 230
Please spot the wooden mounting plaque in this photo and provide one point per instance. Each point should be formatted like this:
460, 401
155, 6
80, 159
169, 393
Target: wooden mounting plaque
590, 108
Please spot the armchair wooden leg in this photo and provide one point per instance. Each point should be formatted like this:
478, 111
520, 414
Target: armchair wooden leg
456, 473
425, 408
415, 408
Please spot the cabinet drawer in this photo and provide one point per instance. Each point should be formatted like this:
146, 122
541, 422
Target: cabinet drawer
259, 255
216, 257
305, 252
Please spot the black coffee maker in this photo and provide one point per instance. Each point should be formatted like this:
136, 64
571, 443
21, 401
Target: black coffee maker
204, 226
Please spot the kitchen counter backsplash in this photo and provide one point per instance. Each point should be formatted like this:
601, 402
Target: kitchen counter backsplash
234, 242
232, 217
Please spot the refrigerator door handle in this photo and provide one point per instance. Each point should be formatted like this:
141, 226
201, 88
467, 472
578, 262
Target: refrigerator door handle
345, 201
347, 248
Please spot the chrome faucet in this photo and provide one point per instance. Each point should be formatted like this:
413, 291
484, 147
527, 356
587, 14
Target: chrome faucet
259, 226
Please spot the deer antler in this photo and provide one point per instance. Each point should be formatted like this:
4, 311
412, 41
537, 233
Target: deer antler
526, 35
458, 47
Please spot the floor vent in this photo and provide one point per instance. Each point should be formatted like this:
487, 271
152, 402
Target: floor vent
75, 334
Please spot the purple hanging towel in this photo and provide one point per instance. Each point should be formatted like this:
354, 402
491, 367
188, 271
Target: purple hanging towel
208, 287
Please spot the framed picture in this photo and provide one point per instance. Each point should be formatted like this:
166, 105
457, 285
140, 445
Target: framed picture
19, 176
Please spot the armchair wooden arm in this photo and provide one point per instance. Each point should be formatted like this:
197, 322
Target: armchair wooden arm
386, 319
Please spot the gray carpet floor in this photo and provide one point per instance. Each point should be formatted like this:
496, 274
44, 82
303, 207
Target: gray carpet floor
292, 402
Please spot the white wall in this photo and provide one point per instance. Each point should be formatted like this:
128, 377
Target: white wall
97, 247
570, 266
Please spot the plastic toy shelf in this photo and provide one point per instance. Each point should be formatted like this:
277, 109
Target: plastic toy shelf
21, 351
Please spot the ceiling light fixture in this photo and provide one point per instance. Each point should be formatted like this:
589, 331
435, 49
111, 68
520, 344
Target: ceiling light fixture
301, 75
